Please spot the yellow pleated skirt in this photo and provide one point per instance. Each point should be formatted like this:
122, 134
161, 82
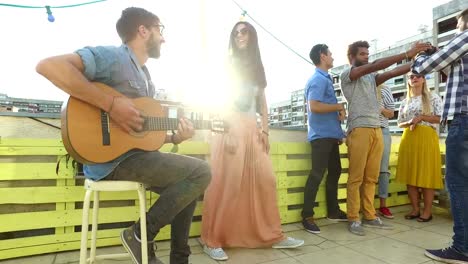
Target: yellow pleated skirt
419, 161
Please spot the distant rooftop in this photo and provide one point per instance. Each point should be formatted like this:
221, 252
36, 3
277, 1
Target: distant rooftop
5, 97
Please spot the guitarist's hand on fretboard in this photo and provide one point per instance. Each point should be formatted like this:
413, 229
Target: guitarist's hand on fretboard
185, 130
126, 115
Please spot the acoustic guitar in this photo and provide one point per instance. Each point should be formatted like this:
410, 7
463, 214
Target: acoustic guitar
90, 135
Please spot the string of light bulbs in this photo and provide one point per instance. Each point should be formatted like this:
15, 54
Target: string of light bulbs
48, 8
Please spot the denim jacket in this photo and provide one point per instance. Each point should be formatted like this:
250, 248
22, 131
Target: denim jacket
116, 67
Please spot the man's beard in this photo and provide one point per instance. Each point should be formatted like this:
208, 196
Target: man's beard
153, 48
358, 63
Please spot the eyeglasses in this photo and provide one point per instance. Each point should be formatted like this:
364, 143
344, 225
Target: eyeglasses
413, 76
242, 31
161, 28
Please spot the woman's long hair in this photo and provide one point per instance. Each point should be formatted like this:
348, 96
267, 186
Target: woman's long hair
425, 96
247, 64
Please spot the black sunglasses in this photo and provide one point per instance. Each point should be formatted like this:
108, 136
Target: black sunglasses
412, 76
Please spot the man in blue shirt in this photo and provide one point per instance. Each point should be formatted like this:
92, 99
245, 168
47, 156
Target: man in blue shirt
453, 60
179, 180
325, 136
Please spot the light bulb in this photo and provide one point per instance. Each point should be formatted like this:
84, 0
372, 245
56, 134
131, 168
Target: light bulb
50, 17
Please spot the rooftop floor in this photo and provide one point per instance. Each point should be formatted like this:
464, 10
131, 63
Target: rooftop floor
404, 244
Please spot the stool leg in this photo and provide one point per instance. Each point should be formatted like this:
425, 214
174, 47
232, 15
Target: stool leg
144, 238
84, 227
92, 255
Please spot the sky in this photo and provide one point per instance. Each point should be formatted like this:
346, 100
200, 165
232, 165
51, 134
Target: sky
197, 35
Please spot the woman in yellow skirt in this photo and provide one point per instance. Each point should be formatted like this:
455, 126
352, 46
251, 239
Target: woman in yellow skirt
419, 163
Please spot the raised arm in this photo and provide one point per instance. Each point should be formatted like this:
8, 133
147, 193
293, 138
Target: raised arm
380, 64
397, 71
451, 52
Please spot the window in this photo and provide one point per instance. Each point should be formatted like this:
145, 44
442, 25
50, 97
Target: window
442, 77
447, 25
399, 81
336, 79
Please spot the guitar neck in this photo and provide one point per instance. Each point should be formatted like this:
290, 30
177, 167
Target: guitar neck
164, 124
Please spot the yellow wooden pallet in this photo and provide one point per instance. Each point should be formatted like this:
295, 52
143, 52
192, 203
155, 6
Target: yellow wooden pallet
40, 210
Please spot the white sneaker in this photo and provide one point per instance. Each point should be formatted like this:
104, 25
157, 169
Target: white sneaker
289, 242
215, 253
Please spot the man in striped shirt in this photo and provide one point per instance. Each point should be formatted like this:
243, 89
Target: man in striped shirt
453, 60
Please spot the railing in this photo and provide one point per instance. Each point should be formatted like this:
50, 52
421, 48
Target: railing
40, 210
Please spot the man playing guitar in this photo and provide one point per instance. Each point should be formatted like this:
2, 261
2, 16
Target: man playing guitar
179, 180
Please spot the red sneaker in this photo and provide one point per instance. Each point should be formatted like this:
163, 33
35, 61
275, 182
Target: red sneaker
385, 212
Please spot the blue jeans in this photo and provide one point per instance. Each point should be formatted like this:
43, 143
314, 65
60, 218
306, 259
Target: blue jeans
456, 178
384, 175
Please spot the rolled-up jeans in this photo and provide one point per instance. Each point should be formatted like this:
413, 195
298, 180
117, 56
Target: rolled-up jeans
384, 176
456, 178
179, 180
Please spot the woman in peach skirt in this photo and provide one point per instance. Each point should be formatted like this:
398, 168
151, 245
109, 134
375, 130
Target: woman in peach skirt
240, 205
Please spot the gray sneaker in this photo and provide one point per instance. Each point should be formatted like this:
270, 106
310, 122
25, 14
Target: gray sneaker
133, 246
215, 253
376, 223
355, 227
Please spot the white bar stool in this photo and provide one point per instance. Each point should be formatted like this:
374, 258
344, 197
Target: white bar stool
109, 186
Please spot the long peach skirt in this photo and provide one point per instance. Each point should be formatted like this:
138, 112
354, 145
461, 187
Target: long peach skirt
240, 206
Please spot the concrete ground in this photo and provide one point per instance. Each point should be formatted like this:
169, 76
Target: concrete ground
404, 244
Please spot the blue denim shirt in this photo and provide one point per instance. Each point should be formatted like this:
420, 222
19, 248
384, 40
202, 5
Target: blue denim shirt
116, 67
322, 125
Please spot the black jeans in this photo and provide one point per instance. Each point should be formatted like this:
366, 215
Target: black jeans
179, 180
325, 155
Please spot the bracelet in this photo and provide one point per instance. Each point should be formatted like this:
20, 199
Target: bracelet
112, 104
266, 133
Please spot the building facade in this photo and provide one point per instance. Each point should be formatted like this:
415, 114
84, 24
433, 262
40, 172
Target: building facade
30, 107
290, 113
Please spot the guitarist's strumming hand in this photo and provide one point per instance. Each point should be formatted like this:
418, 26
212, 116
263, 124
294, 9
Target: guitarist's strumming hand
125, 114
185, 130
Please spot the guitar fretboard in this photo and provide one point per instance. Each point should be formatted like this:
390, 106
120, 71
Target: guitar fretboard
164, 123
